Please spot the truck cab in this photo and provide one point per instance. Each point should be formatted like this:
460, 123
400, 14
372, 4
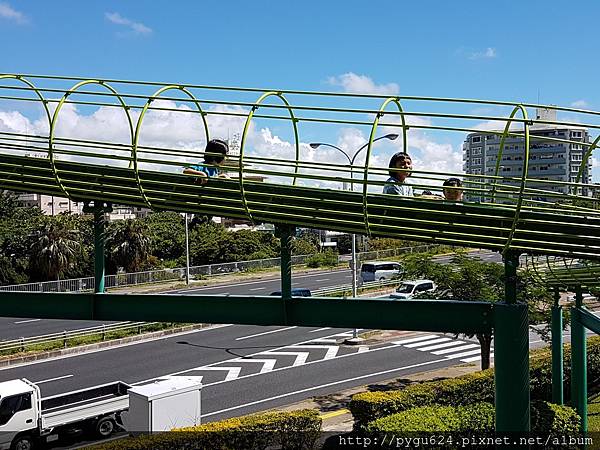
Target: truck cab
19, 414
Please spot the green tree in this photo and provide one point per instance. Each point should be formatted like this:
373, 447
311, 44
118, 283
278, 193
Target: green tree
464, 278
128, 245
303, 246
167, 234
55, 247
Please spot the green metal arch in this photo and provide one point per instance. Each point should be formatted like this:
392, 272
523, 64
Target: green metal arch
525, 169
37, 92
587, 154
55, 119
396, 100
243, 144
138, 127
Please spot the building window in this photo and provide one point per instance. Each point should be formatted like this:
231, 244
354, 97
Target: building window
477, 151
576, 157
477, 161
475, 139
477, 171
576, 146
576, 134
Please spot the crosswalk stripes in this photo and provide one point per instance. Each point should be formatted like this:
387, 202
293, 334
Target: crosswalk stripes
465, 351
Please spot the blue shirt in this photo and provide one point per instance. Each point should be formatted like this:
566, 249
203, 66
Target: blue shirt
209, 171
392, 186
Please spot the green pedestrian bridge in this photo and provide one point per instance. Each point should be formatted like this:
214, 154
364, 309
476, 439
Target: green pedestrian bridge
291, 180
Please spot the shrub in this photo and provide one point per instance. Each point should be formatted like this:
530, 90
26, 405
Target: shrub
471, 388
327, 258
475, 418
478, 417
286, 430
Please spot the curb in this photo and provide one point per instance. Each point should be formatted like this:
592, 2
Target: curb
12, 361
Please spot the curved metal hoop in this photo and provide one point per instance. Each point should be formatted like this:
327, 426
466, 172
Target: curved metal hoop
585, 157
380, 114
243, 143
44, 104
525, 169
138, 126
55, 119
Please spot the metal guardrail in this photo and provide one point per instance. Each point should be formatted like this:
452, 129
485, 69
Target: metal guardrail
343, 288
162, 275
22, 343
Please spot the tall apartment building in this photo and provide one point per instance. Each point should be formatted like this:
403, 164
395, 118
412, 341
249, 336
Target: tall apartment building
548, 160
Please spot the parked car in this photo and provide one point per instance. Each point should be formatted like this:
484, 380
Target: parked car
408, 289
380, 270
296, 292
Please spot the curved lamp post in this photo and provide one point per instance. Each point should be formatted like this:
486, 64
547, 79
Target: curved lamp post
351, 160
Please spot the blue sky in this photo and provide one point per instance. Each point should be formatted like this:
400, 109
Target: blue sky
503, 50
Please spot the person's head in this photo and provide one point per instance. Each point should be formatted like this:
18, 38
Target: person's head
215, 152
400, 160
453, 189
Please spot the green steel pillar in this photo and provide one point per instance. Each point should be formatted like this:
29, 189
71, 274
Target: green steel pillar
511, 356
99, 209
578, 362
557, 351
286, 234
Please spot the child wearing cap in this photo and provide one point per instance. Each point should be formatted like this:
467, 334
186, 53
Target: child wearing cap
214, 155
453, 190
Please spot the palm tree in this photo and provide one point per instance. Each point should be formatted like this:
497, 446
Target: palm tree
54, 249
128, 244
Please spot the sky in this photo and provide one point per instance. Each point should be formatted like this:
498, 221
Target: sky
533, 51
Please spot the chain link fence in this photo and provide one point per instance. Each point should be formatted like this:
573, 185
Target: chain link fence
208, 270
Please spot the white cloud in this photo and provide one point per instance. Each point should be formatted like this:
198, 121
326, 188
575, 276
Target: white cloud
488, 53
582, 104
8, 12
362, 84
135, 27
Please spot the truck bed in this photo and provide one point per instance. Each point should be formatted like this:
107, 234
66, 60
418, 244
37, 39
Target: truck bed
79, 405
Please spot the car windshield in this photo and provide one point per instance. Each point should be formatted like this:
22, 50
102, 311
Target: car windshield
405, 288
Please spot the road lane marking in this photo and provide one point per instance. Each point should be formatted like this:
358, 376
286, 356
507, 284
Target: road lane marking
323, 279
301, 357
262, 334
258, 289
232, 372
427, 342
312, 388
268, 364
332, 350
53, 379
28, 320
331, 414
444, 345
454, 349
416, 339
320, 329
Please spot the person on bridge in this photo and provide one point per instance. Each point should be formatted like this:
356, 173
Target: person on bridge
453, 190
396, 184
214, 155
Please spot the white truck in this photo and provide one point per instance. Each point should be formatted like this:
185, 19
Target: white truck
27, 419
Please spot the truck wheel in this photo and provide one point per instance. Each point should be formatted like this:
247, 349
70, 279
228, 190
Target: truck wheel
105, 427
24, 442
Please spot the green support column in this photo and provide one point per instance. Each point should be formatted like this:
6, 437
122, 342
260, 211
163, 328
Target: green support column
557, 351
286, 234
511, 356
578, 362
99, 209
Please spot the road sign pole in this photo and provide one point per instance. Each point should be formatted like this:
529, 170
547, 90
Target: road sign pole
557, 351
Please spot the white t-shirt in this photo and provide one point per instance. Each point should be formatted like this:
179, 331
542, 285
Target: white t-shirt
392, 186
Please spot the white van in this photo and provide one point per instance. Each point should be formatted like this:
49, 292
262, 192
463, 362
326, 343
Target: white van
380, 270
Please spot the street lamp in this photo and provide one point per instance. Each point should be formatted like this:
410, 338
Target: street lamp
316, 145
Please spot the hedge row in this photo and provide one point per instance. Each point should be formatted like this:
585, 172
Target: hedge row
296, 430
475, 418
472, 388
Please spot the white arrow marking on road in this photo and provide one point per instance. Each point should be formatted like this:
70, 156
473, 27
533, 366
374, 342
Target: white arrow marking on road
301, 357
232, 372
331, 349
268, 364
